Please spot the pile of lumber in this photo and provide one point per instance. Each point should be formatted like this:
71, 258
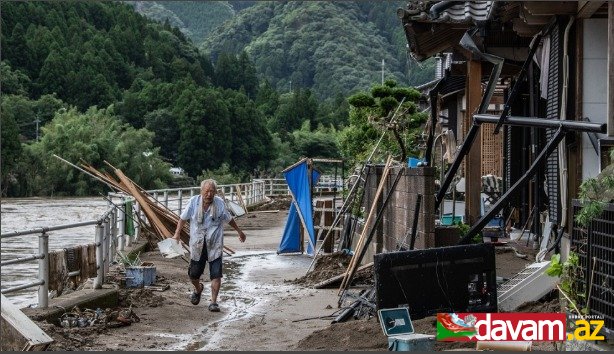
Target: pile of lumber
162, 221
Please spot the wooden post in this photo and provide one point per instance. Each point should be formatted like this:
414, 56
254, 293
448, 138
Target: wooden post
473, 178
327, 217
359, 246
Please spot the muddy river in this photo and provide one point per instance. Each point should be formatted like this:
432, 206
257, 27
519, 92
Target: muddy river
32, 213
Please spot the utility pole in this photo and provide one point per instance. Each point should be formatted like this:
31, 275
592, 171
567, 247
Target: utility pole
382, 71
37, 121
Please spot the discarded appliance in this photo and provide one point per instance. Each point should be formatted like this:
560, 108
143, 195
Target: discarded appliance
446, 279
140, 276
397, 326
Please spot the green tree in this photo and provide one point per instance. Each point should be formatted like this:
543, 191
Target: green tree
204, 130
14, 82
11, 149
373, 114
53, 74
94, 137
164, 125
320, 143
293, 109
252, 145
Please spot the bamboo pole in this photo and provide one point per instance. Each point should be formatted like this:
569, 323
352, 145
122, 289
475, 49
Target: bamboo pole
361, 240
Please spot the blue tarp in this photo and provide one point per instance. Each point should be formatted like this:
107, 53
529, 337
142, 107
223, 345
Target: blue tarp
298, 183
289, 243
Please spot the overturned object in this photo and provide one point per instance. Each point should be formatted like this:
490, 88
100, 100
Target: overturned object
446, 279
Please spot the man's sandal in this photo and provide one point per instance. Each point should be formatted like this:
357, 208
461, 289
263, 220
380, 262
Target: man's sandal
195, 298
214, 307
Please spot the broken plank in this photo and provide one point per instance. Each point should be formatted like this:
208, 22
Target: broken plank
339, 277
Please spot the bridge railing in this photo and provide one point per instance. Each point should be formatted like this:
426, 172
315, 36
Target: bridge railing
105, 242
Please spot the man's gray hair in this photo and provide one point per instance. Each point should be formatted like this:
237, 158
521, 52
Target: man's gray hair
208, 181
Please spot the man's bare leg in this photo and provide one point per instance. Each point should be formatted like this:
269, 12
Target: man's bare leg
215, 289
196, 283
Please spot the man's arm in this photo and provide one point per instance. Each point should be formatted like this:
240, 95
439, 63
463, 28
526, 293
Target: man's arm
178, 229
234, 225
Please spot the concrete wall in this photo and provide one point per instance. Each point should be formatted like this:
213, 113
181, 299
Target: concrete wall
395, 228
594, 85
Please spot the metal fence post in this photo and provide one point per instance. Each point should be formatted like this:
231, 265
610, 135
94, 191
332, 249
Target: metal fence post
114, 218
99, 257
137, 224
166, 198
43, 270
122, 226
180, 196
105, 246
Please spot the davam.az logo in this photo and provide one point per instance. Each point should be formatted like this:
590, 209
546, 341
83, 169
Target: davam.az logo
465, 327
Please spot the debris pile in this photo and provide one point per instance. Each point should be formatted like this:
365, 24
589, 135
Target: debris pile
331, 266
139, 298
281, 202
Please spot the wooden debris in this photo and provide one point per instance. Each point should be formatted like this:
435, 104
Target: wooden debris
162, 221
339, 277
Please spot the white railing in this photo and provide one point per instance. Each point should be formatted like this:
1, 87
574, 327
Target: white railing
247, 194
105, 241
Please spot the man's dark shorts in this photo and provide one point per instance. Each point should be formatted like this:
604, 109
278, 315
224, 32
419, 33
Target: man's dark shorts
197, 268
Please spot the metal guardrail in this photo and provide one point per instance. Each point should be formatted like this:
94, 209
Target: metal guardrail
103, 237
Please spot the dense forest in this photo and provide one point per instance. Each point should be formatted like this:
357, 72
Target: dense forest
99, 82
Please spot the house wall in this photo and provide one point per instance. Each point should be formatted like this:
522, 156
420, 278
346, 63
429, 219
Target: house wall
398, 216
594, 84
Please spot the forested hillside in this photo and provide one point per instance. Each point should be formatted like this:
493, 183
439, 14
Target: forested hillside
98, 82
325, 46
196, 19
328, 47
151, 87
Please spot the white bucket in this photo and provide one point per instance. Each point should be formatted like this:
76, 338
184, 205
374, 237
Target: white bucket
171, 248
235, 208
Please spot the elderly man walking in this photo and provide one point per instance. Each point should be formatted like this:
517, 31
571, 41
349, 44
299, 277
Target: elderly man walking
206, 213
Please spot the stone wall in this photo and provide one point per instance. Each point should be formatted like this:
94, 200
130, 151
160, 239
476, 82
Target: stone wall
394, 230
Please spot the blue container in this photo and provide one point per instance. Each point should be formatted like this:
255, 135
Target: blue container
139, 276
411, 342
496, 222
446, 220
413, 162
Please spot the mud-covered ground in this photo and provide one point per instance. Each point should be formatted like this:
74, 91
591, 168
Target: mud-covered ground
267, 302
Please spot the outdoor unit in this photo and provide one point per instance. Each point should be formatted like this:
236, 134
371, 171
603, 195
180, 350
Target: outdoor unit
444, 279
531, 284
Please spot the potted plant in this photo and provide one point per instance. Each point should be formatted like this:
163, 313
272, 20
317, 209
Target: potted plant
138, 273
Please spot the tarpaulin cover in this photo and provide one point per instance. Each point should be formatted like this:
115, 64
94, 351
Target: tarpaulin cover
298, 183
